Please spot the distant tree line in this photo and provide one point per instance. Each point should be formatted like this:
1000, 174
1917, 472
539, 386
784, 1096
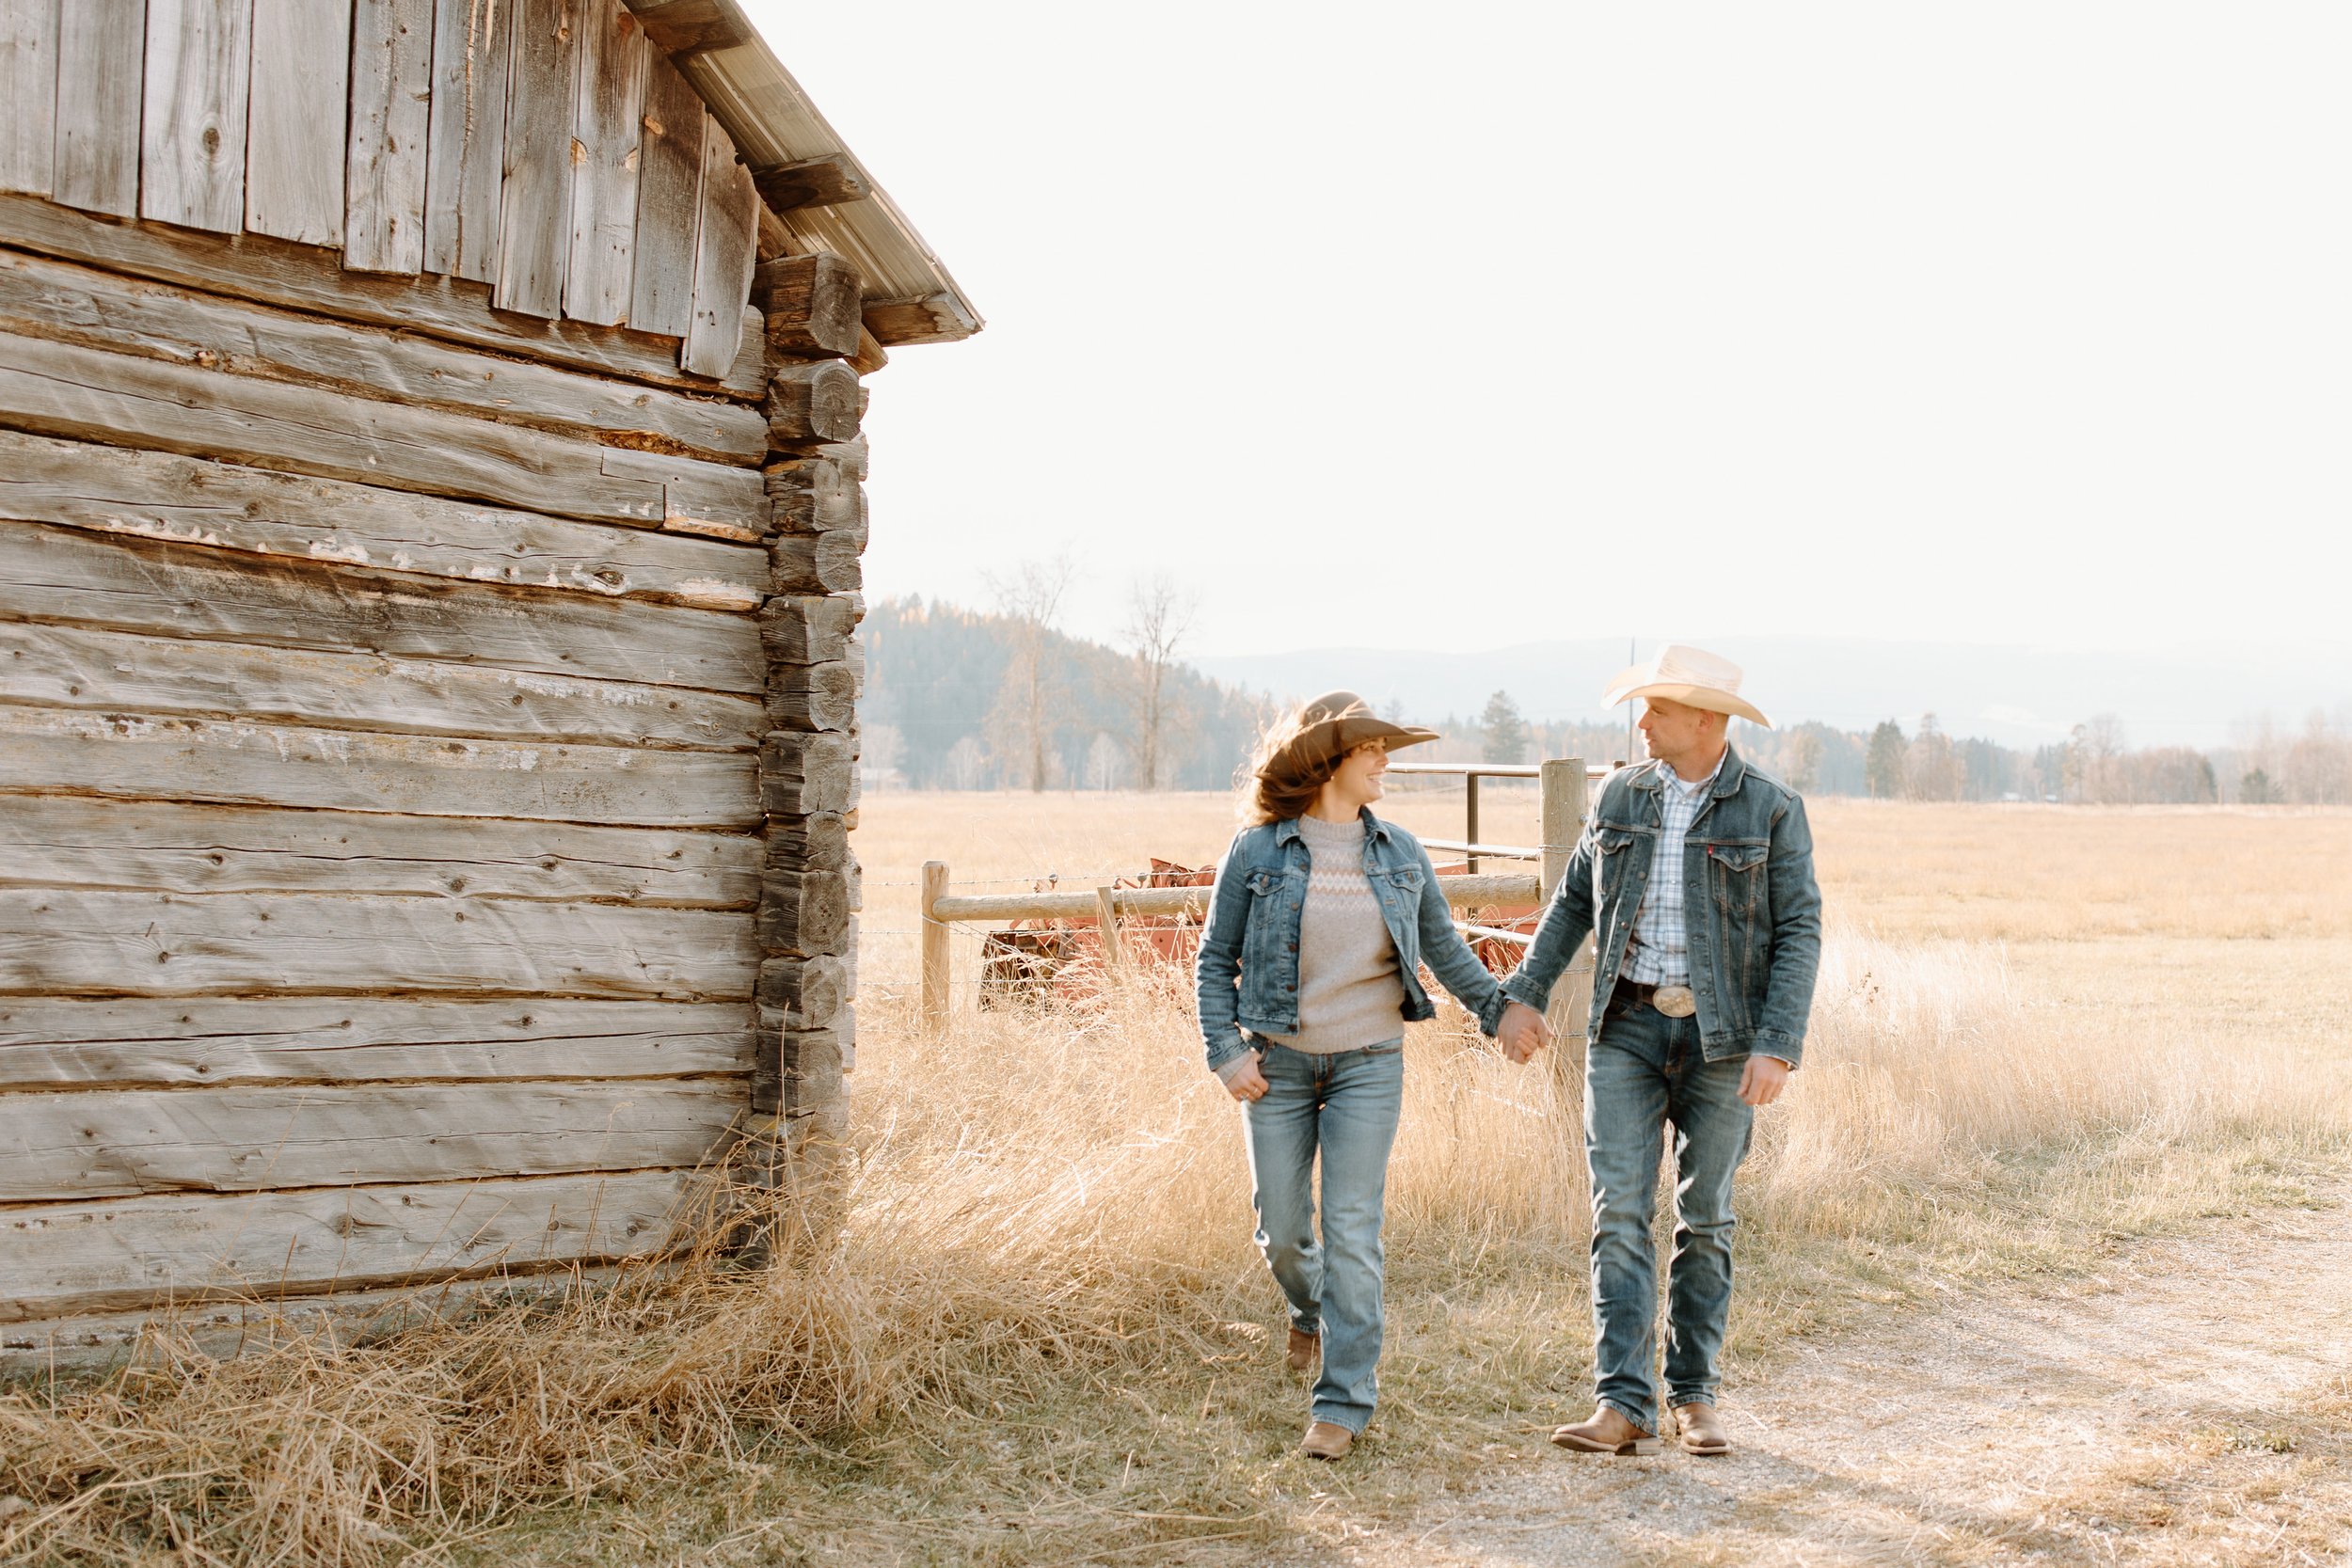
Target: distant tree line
2093, 765
959, 698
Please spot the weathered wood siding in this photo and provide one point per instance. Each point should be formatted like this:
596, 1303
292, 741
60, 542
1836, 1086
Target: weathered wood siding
427, 727
364, 850
501, 143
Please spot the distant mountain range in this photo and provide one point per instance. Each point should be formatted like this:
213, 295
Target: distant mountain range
2191, 694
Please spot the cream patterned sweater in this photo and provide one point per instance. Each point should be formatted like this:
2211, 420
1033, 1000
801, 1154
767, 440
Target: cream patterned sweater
1350, 994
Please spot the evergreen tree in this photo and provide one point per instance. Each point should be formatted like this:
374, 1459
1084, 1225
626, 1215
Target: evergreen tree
1884, 768
1504, 729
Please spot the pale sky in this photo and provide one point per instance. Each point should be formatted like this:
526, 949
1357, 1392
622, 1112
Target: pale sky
1472, 325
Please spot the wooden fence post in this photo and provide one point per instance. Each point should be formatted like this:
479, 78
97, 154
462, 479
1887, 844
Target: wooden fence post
1107, 926
1470, 818
935, 974
1565, 792
1563, 787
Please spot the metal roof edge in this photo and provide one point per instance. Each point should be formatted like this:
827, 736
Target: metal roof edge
910, 296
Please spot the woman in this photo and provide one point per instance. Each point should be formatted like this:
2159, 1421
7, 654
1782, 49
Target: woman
1309, 972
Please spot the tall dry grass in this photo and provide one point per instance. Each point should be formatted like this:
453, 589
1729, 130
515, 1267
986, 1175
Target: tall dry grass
1931, 1068
1044, 1260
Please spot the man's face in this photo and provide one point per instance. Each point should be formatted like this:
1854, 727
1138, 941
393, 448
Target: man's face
1674, 731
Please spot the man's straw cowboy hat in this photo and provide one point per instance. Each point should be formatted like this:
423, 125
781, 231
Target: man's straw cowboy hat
1327, 728
1682, 674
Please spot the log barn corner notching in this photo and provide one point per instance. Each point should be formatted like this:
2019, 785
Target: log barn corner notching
430, 515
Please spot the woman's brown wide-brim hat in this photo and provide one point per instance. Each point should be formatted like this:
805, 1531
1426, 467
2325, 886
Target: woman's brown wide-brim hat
1327, 728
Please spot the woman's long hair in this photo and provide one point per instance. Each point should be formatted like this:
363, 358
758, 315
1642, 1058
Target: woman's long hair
1278, 794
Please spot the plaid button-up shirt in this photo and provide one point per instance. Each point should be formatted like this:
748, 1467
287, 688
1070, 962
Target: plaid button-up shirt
1660, 954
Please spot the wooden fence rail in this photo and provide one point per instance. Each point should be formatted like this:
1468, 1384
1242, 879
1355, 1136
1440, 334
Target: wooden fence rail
1565, 785
1086, 904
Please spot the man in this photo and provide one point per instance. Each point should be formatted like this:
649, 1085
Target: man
1695, 876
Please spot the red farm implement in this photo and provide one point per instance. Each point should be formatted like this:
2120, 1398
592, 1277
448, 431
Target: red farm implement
1031, 957
1053, 940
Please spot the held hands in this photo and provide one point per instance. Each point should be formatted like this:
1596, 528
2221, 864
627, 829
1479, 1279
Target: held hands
1522, 1032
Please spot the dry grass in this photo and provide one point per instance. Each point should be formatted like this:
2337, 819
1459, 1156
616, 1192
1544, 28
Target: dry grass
2276, 1488
1042, 1335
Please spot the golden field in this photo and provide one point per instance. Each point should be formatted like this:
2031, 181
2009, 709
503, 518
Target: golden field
1042, 1335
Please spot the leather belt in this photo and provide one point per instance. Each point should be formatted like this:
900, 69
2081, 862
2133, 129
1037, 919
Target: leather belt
1668, 1001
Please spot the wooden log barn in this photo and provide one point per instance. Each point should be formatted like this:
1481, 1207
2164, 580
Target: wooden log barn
430, 516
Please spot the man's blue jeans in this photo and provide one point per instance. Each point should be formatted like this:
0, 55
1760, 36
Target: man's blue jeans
1344, 1106
1644, 1071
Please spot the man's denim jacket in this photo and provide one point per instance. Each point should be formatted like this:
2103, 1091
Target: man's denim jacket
1247, 972
1749, 900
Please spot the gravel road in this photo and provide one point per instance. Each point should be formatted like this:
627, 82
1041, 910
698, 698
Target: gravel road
2189, 1405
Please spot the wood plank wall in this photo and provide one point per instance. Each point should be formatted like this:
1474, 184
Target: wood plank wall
427, 733
542, 147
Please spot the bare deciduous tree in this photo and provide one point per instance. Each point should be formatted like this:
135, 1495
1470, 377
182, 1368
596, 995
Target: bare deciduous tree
2094, 762
967, 764
885, 745
1159, 613
1932, 769
1023, 719
1802, 758
1104, 763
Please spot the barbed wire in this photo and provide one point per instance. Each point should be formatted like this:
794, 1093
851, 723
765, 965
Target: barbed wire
1095, 878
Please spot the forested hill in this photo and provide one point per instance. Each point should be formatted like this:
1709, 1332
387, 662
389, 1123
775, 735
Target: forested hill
948, 705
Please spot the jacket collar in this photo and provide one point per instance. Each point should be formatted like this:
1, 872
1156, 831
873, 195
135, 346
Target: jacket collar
1652, 775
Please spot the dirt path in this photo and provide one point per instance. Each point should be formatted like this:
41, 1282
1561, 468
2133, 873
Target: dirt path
2190, 1404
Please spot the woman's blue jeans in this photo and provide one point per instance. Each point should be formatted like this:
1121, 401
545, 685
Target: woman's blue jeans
1345, 1107
1642, 1072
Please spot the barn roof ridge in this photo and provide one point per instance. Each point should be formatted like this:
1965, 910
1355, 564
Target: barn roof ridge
910, 296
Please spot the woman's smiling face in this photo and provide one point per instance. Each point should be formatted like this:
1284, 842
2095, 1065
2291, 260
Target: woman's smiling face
1357, 779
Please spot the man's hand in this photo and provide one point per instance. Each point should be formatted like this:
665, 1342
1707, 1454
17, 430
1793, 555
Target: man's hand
1248, 1083
1522, 1031
1761, 1080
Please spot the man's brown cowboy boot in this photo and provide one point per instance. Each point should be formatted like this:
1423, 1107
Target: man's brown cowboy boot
1608, 1432
1326, 1440
1702, 1429
1300, 1355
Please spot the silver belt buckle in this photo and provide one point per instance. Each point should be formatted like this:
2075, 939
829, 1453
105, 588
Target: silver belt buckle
1674, 1001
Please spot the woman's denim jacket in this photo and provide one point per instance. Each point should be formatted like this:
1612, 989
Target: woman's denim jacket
1247, 972
1752, 910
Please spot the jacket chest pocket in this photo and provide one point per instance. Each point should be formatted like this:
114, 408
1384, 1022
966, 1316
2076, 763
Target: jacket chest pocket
1272, 924
1736, 873
1400, 902
1613, 854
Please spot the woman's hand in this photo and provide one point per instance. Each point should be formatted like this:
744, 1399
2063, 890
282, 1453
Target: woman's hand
1248, 1084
